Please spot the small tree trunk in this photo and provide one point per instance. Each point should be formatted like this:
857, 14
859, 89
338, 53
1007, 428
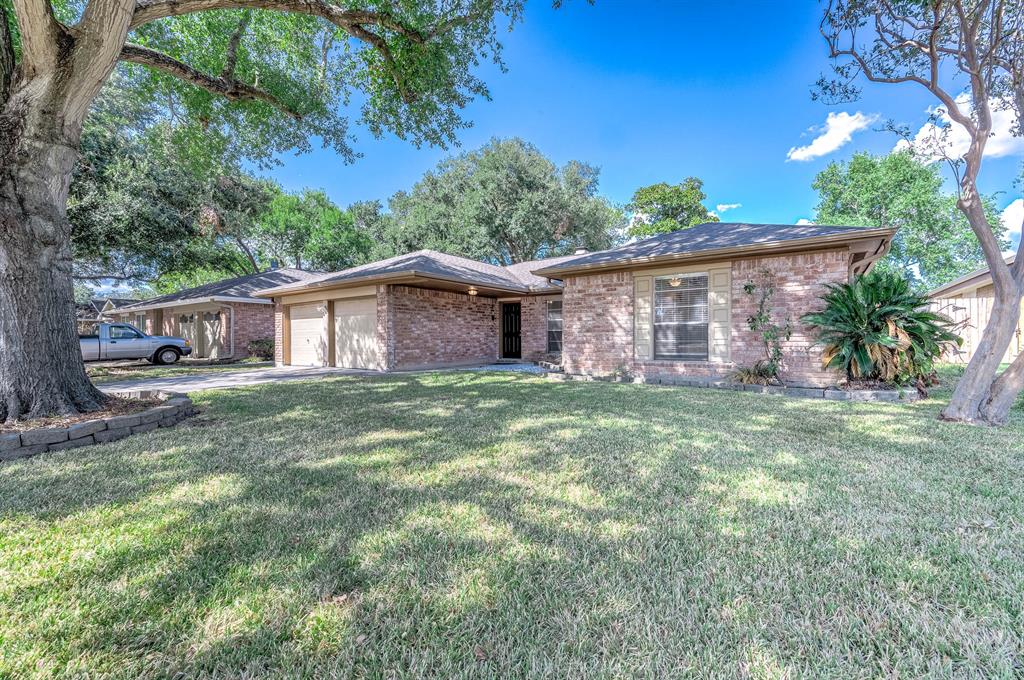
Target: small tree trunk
41, 368
974, 389
1004, 393
972, 399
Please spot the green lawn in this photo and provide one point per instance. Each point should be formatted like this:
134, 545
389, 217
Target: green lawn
500, 525
101, 375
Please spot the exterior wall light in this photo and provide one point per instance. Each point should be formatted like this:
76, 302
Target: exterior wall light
472, 291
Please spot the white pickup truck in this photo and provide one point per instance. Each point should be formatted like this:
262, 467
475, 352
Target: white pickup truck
125, 341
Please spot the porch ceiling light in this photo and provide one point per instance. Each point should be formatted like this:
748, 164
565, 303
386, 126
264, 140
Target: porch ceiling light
472, 290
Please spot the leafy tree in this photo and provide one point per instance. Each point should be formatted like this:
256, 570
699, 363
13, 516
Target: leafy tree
307, 230
243, 78
505, 202
139, 210
934, 243
943, 47
662, 208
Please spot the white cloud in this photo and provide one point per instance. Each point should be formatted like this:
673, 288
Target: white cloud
804, 220
722, 207
1012, 217
837, 132
944, 135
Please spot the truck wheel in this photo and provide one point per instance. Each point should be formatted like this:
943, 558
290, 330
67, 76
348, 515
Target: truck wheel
167, 355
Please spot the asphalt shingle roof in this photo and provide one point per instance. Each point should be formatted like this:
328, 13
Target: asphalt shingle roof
241, 286
705, 237
517, 277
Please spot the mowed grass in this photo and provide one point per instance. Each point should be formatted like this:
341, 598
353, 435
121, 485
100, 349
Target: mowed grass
101, 375
500, 525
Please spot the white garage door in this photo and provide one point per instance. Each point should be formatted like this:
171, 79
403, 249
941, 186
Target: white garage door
308, 344
355, 333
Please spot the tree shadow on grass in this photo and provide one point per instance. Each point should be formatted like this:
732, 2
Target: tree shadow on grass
356, 526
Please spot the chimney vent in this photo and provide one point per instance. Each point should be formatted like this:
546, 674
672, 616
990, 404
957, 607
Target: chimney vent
580, 251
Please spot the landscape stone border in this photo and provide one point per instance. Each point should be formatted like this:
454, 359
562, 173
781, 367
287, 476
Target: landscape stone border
175, 408
831, 393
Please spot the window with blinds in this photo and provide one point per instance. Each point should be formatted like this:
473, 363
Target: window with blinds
681, 317
554, 326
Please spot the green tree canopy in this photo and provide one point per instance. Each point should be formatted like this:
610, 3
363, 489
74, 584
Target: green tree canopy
505, 202
308, 231
661, 208
934, 244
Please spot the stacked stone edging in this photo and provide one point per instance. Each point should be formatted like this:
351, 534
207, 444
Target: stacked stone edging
176, 407
831, 393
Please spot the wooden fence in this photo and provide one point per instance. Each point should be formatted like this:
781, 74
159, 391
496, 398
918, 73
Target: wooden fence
973, 314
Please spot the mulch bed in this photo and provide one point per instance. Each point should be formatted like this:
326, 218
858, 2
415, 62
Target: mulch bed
115, 406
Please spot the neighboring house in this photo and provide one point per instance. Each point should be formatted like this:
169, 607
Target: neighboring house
672, 305
219, 319
98, 309
968, 301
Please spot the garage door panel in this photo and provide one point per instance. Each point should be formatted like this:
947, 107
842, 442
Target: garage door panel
355, 333
308, 344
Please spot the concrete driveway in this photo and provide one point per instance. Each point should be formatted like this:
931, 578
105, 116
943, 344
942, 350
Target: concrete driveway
226, 379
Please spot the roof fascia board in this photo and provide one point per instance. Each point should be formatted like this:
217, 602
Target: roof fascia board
186, 302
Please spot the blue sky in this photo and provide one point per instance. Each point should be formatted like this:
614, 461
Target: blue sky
654, 92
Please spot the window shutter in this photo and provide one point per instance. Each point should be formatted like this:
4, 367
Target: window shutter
642, 321
719, 313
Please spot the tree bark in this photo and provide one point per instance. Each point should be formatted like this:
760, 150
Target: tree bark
41, 368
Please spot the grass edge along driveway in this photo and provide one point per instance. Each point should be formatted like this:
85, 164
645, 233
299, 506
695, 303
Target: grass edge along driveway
499, 525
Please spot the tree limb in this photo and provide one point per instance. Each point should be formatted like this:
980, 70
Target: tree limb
40, 35
151, 10
229, 88
236, 39
352, 21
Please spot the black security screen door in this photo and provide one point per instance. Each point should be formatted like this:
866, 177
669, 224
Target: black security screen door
511, 345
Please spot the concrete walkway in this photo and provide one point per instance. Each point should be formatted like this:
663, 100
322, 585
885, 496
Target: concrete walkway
217, 380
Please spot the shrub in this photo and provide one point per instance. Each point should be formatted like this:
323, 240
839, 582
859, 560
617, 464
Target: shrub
262, 348
761, 373
877, 328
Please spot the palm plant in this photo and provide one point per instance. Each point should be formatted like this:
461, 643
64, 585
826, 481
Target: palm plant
878, 328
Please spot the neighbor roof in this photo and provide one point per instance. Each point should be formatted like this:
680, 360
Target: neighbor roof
238, 289
432, 264
710, 238
966, 281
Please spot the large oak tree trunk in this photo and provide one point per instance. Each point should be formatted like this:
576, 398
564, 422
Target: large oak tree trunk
41, 369
42, 108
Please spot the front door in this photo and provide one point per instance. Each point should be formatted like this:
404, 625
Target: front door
511, 345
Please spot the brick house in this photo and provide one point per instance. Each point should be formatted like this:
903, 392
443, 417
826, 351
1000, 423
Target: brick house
670, 305
219, 319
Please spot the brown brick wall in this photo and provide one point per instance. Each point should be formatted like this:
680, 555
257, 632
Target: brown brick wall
598, 320
432, 327
252, 322
597, 323
278, 333
384, 344
800, 280
534, 332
